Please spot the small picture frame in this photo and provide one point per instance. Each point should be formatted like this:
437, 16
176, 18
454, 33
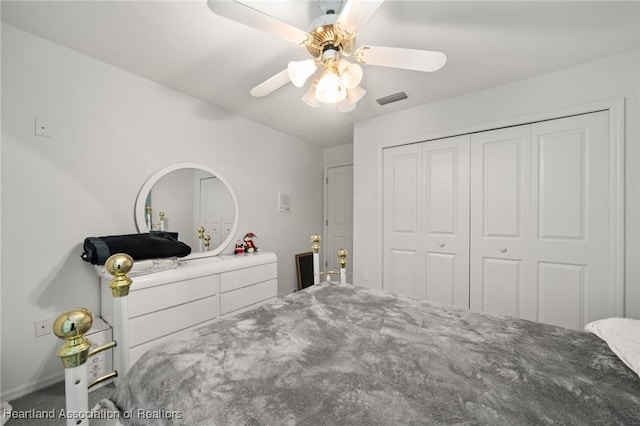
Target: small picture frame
304, 268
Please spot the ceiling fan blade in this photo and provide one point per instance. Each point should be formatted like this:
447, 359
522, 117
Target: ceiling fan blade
396, 57
244, 14
270, 85
356, 13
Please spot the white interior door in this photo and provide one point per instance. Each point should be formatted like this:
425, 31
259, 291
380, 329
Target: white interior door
445, 216
500, 222
426, 220
401, 213
540, 221
570, 218
339, 233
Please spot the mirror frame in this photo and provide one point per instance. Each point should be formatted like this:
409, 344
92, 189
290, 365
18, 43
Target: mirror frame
141, 199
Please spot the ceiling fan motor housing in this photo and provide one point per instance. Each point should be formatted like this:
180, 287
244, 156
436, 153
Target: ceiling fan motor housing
326, 35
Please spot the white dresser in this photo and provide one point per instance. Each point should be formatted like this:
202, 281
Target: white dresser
195, 293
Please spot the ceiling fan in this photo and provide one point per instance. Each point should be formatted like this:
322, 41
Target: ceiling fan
331, 42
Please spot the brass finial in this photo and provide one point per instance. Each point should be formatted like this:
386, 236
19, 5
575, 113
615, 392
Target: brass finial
342, 258
119, 265
71, 327
148, 209
207, 241
315, 239
200, 232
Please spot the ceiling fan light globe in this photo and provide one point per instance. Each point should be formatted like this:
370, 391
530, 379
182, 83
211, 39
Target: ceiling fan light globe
330, 89
346, 106
300, 71
351, 76
355, 94
342, 65
309, 98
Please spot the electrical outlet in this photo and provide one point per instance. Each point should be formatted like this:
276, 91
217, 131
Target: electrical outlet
43, 327
42, 128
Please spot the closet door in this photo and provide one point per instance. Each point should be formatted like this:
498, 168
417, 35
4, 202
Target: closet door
401, 212
500, 237
570, 218
426, 220
445, 219
540, 221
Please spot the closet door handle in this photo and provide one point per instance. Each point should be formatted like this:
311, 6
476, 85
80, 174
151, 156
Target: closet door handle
503, 250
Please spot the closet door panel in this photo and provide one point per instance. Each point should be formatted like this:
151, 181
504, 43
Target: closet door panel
401, 272
500, 205
402, 177
440, 277
561, 289
561, 185
446, 220
570, 217
502, 277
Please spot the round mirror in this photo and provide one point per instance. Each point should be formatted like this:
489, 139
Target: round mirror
192, 200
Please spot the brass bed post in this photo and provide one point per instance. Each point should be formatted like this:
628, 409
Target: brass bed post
73, 325
315, 239
342, 261
119, 265
200, 238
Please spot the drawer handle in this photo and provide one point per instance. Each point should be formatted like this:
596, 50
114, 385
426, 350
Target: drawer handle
441, 245
503, 250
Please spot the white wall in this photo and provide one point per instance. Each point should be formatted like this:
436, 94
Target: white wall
337, 156
613, 77
111, 130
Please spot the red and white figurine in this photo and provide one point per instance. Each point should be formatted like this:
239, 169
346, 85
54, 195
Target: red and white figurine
249, 245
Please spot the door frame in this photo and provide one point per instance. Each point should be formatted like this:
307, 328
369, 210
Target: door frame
325, 214
616, 114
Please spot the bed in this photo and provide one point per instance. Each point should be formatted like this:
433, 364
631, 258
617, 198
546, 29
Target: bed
341, 354
348, 355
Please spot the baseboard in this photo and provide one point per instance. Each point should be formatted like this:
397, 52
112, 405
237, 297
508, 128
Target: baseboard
15, 393
287, 292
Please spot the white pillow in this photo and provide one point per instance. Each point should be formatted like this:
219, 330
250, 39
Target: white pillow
623, 337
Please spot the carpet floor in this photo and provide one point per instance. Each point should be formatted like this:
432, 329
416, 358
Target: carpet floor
43, 401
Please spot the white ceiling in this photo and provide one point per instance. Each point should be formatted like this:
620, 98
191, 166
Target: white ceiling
183, 45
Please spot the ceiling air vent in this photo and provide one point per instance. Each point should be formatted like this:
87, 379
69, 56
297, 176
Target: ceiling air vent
392, 98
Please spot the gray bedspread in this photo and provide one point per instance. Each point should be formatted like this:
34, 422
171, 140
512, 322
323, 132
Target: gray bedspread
347, 355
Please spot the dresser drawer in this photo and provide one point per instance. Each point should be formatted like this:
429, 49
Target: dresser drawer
161, 297
157, 324
233, 280
246, 296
